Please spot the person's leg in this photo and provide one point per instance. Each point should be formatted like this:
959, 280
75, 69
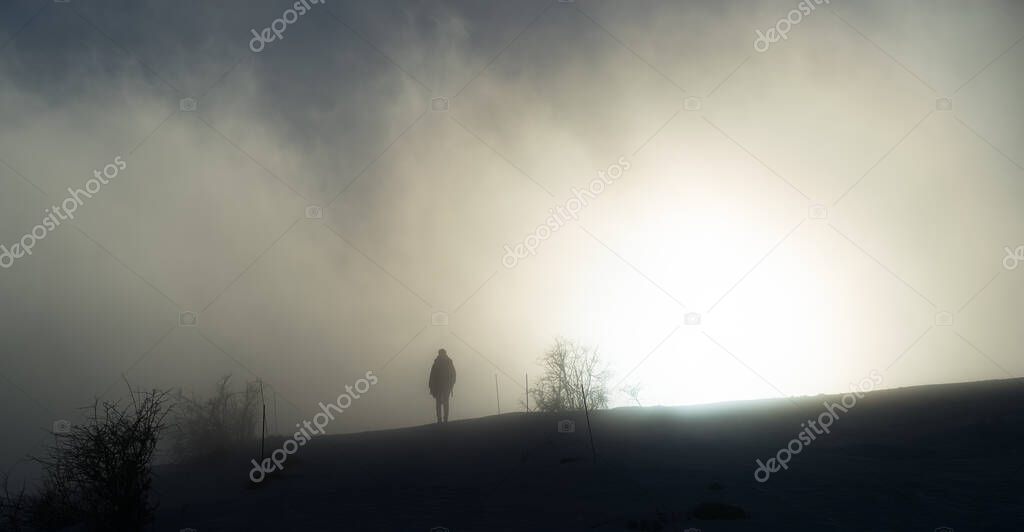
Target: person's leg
437, 406
446, 408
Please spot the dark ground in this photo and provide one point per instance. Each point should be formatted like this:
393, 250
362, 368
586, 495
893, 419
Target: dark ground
912, 459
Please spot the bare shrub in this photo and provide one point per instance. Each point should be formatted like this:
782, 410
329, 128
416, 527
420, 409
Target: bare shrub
14, 507
100, 473
571, 373
49, 509
223, 423
41, 510
633, 391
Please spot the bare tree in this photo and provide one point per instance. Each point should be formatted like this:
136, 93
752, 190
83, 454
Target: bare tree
571, 372
633, 391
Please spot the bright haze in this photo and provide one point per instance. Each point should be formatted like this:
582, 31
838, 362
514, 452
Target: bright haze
341, 200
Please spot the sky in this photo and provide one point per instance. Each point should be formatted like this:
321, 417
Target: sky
771, 222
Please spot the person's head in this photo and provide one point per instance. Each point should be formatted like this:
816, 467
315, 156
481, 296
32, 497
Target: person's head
442, 353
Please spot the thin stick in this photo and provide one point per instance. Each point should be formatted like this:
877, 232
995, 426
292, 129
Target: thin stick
130, 393
496, 396
263, 435
527, 391
593, 451
276, 429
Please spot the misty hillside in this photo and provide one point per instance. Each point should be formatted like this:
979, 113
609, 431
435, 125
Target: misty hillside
901, 460
225, 221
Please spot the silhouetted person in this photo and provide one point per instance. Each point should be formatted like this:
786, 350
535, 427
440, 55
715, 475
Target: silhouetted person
442, 382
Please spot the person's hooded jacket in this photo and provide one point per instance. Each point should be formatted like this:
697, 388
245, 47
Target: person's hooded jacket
442, 377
